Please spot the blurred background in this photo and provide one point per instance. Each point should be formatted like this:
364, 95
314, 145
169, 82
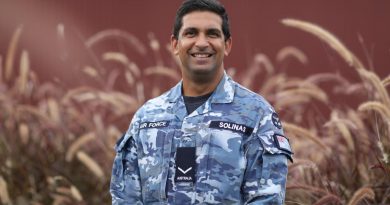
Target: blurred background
73, 73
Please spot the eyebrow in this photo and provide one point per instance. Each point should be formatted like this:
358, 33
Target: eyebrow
190, 29
213, 30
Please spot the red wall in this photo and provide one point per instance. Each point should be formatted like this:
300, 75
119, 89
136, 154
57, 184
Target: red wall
256, 28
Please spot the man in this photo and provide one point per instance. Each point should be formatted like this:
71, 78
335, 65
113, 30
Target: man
208, 140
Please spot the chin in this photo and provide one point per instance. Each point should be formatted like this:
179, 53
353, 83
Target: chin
203, 75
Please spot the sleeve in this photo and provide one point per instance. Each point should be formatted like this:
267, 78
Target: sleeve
125, 186
267, 152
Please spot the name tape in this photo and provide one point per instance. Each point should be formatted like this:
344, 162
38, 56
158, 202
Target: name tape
158, 124
234, 127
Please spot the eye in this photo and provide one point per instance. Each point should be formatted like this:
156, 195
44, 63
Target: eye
214, 34
189, 33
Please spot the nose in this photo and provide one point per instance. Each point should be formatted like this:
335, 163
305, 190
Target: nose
202, 42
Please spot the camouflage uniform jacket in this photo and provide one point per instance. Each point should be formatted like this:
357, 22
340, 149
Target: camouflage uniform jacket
241, 154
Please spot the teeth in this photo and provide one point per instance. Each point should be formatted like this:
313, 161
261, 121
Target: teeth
201, 55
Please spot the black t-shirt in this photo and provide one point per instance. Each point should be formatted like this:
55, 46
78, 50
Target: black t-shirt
192, 103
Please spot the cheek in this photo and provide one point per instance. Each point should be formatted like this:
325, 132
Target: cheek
184, 42
182, 49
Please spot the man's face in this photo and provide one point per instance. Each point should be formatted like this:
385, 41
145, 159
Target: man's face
201, 46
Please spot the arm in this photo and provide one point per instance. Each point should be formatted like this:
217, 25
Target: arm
266, 172
125, 187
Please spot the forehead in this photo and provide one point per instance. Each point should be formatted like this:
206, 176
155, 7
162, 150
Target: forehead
202, 20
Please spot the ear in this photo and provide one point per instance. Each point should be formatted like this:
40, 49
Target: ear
228, 46
174, 44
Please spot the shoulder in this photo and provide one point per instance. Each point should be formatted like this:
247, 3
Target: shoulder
247, 97
156, 104
269, 129
147, 111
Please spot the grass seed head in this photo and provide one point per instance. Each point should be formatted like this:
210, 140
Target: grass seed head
291, 51
91, 164
9, 61
360, 194
4, 195
327, 37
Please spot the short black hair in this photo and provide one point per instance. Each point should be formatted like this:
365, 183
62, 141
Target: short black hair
201, 5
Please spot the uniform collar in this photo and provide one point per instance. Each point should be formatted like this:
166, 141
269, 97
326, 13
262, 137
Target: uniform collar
224, 93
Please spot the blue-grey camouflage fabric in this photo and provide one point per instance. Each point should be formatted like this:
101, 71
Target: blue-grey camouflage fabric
241, 154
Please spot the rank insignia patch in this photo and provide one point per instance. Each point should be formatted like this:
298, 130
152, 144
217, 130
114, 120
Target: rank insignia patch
185, 164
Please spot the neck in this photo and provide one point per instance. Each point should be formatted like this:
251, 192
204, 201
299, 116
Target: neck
193, 89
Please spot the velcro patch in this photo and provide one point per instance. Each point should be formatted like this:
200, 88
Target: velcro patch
276, 120
158, 124
185, 164
234, 127
282, 142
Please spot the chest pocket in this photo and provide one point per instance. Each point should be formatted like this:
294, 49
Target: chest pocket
226, 155
154, 151
225, 160
226, 138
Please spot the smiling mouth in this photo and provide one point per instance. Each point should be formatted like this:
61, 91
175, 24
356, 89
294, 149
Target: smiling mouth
201, 55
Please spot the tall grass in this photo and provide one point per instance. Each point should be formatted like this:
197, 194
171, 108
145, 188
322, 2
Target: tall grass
56, 143
357, 169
